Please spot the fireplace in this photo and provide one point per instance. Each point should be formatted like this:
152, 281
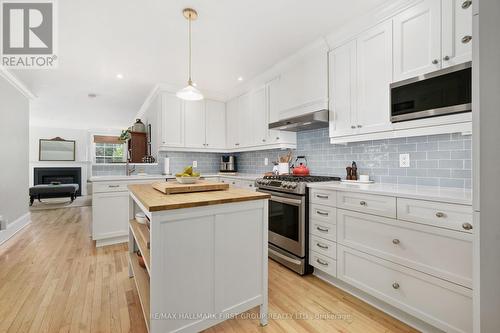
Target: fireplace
62, 175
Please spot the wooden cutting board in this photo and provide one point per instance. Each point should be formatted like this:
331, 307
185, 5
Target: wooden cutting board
174, 187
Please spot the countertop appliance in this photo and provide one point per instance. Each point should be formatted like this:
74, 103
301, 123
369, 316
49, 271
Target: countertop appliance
443, 92
289, 218
228, 163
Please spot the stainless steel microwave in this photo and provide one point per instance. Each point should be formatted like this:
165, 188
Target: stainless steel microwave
443, 92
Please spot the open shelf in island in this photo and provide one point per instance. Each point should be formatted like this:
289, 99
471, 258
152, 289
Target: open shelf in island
141, 236
141, 278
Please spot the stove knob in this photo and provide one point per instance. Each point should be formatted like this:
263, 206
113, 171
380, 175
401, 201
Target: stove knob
294, 185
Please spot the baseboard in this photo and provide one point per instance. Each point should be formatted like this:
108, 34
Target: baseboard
376, 303
111, 241
14, 227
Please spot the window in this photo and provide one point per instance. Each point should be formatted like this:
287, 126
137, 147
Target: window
109, 153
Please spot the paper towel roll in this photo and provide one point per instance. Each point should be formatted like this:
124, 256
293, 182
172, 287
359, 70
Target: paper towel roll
166, 166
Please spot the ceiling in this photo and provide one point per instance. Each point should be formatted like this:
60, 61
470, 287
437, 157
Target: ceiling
146, 42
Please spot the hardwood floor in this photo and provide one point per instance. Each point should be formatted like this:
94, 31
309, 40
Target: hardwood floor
53, 279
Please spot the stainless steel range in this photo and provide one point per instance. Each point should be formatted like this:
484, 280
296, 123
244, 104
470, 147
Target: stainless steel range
289, 218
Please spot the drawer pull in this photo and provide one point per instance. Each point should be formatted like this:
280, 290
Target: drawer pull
439, 214
321, 262
113, 186
322, 229
321, 196
322, 246
467, 226
322, 213
362, 203
395, 285
466, 39
466, 4
395, 241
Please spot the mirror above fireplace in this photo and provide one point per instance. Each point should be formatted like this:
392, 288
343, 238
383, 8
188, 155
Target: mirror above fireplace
56, 149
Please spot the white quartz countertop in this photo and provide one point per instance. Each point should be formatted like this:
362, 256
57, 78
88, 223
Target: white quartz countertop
125, 177
431, 193
243, 176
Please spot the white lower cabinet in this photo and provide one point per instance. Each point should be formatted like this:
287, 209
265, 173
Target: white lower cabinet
412, 254
443, 304
443, 253
110, 217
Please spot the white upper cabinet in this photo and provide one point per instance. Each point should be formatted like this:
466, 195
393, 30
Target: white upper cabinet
215, 118
457, 32
432, 35
172, 121
259, 110
360, 74
194, 120
417, 40
232, 121
245, 121
343, 98
303, 83
374, 63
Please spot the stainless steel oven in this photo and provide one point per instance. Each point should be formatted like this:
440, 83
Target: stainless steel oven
287, 229
443, 92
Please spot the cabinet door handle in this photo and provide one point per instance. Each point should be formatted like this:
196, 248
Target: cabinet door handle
467, 226
263, 140
466, 39
322, 246
322, 213
395, 285
321, 196
466, 4
435, 62
353, 127
321, 262
446, 58
359, 126
322, 229
395, 241
113, 186
440, 214
362, 203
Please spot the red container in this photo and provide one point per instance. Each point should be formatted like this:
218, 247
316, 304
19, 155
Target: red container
301, 169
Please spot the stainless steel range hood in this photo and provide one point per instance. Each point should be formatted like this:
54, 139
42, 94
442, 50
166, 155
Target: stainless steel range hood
313, 120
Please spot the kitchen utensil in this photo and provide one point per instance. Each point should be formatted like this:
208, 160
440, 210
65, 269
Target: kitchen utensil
283, 168
140, 217
200, 186
187, 180
301, 169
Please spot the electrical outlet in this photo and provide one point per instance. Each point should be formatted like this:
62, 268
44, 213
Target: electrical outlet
195, 164
266, 161
404, 160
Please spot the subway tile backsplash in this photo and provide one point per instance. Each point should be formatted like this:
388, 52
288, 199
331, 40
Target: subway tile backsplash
437, 160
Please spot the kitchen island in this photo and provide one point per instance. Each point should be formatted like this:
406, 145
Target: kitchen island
205, 256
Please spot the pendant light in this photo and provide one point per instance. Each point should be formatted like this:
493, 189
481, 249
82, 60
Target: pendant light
190, 93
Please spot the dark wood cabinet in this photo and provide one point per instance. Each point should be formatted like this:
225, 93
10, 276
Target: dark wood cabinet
137, 146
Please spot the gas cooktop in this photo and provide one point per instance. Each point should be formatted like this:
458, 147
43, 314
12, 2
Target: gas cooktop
290, 183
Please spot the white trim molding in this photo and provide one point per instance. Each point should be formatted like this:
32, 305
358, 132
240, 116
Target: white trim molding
15, 82
14, 227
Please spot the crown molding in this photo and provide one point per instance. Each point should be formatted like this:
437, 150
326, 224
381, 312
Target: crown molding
16, 83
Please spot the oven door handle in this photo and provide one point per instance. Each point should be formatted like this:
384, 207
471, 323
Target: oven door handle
286, 200
284, 257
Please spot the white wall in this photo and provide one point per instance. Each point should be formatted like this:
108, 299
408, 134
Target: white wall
80, 136
14, 145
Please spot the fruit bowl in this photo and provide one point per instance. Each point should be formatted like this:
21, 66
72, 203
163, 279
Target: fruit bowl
187, 180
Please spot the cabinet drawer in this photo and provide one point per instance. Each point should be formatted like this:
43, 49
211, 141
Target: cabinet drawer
323, 213
323, 197
109, 187
440, 303
367, 203
323, 246
323, 263
451, 216
323, 230
443, 253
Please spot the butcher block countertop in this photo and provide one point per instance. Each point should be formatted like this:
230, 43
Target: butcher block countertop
155, 201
